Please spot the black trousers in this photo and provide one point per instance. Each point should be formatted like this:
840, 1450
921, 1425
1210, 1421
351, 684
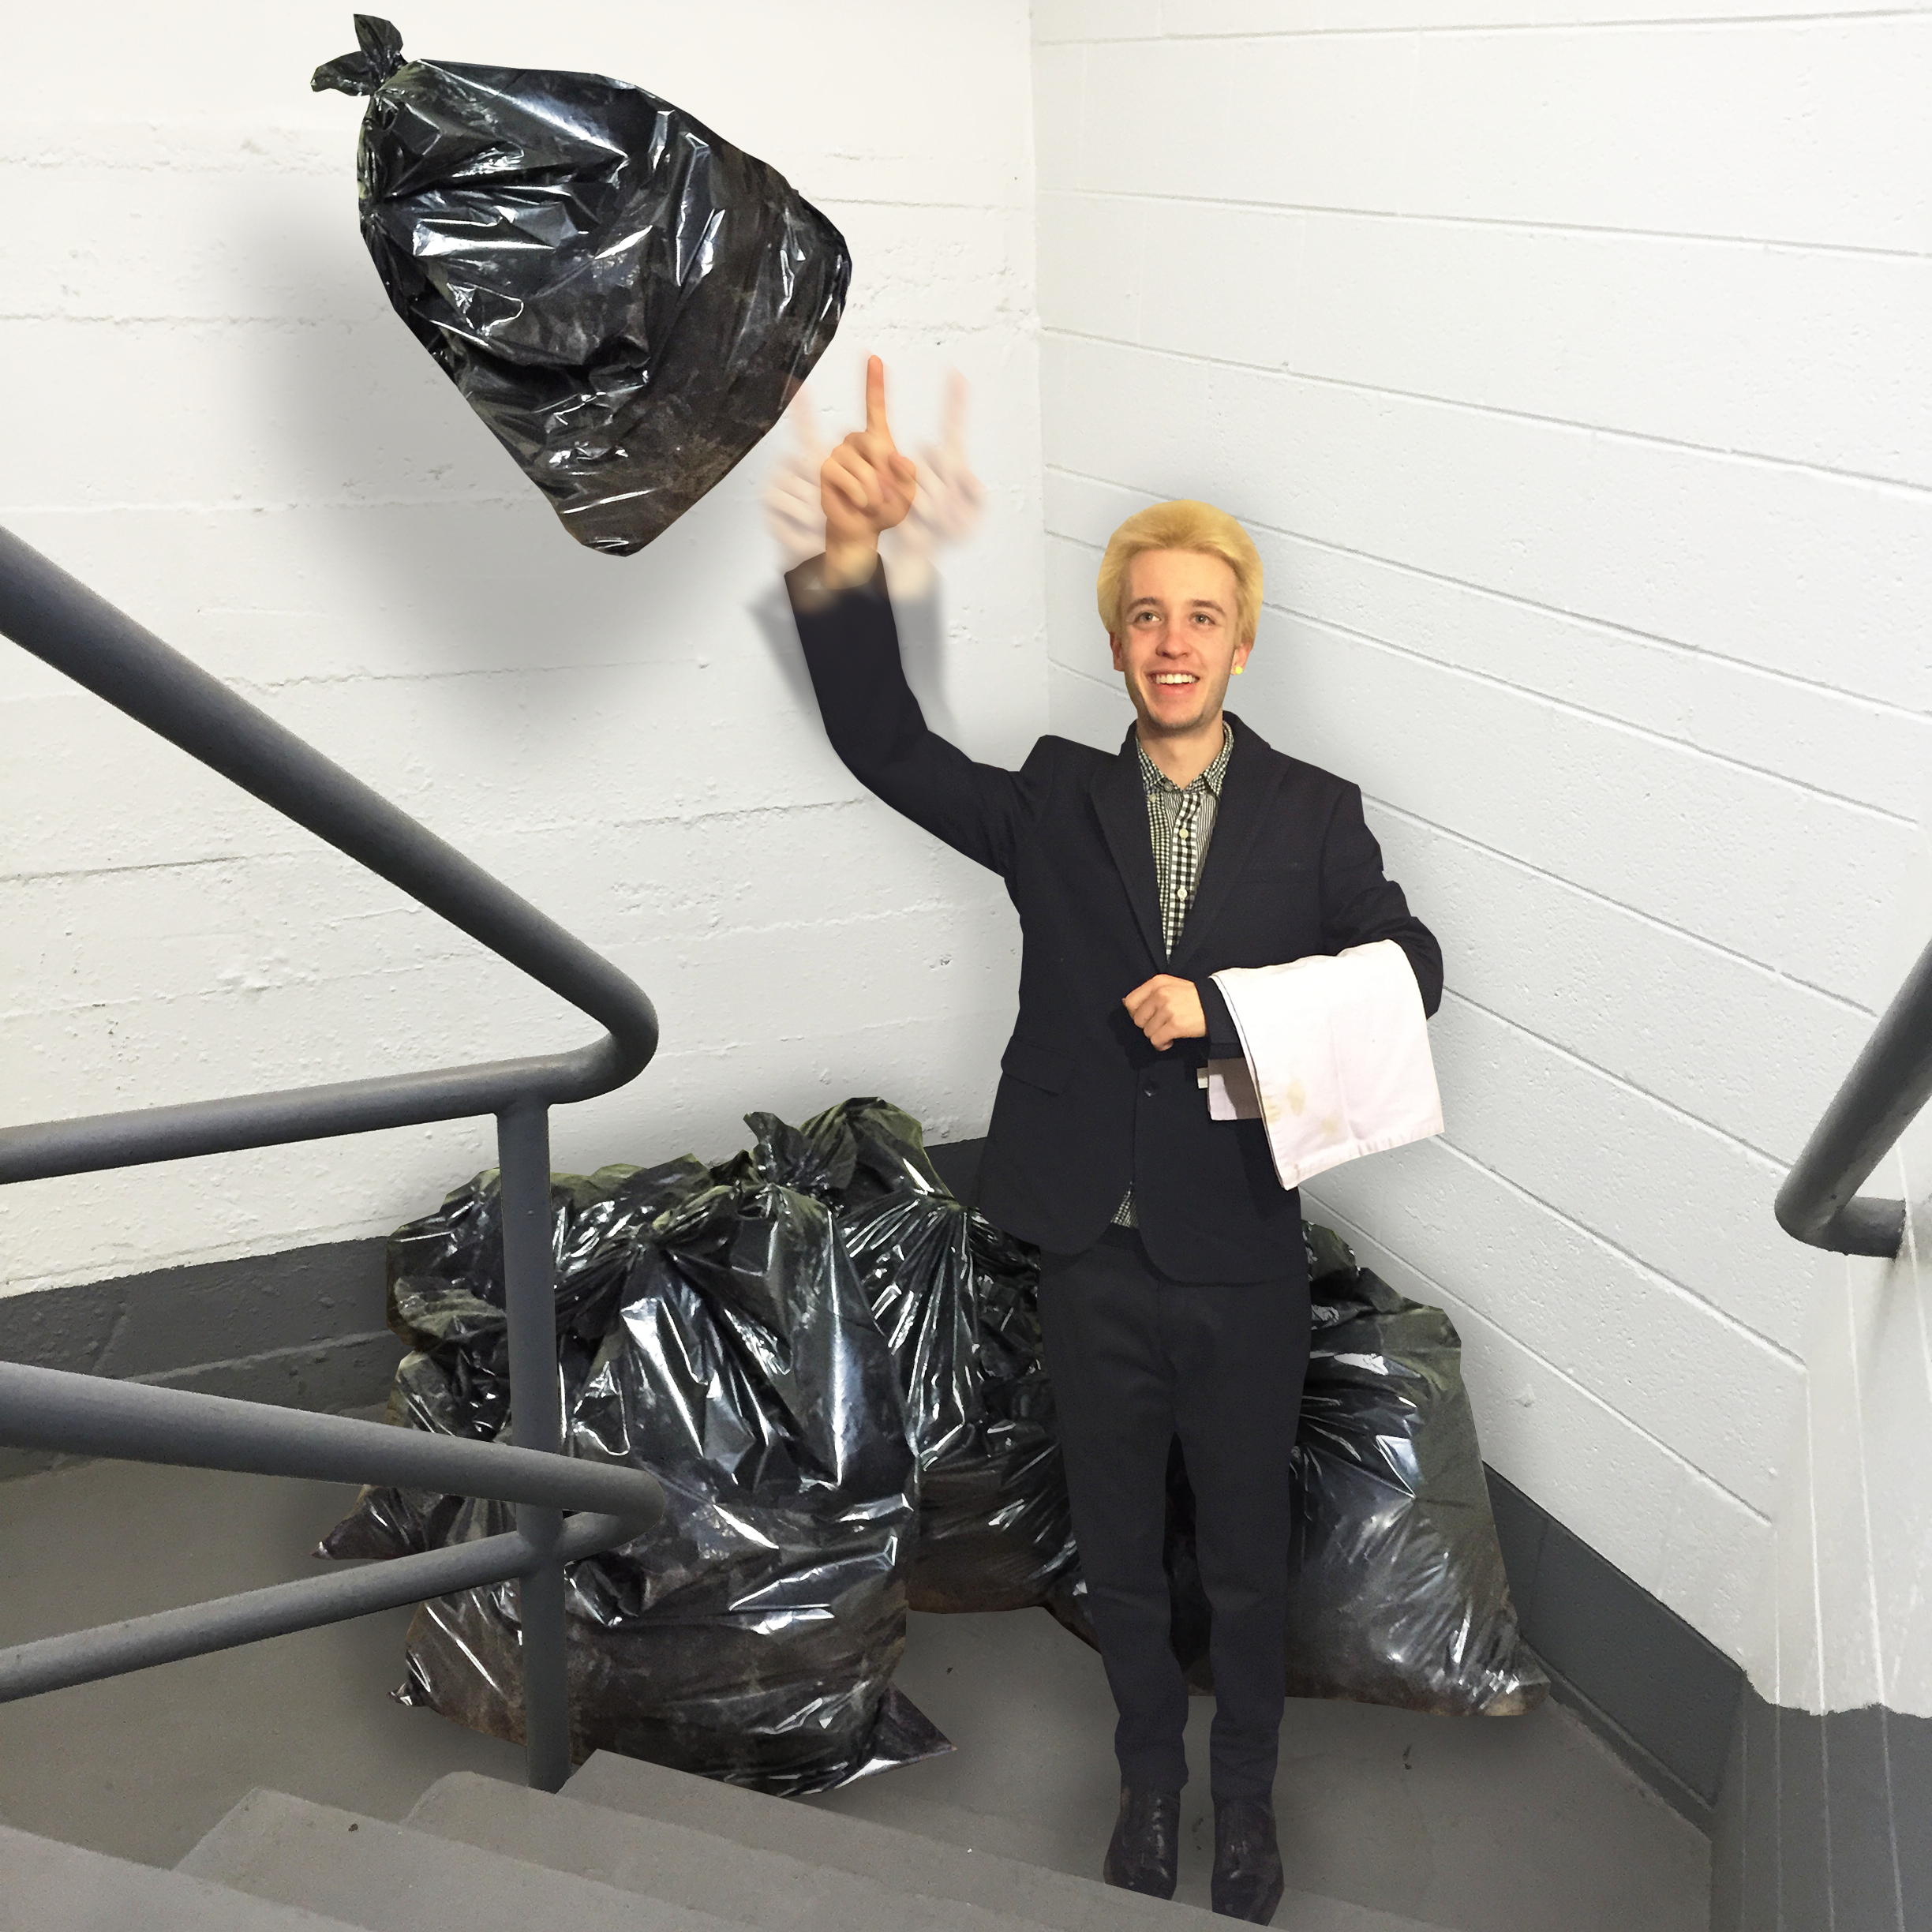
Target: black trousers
1137, 1358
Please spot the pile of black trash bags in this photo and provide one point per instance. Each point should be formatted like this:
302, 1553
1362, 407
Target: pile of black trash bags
834, 1369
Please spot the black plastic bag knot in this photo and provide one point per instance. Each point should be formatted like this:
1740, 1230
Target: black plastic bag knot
363, 73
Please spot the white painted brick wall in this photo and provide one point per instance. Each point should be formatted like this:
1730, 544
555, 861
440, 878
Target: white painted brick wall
1852, 1562
212, 415
1569, 364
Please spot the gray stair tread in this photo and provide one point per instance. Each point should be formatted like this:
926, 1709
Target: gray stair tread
387, 1878
755, 1886
48, 1886
909, 1861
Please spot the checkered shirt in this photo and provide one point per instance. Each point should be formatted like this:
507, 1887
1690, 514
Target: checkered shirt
1180, 820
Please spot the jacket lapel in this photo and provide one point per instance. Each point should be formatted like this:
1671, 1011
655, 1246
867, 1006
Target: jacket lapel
1254, 774
1120, 799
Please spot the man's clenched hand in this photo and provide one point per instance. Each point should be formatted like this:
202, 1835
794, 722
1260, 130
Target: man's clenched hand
866, 486
1167, 1010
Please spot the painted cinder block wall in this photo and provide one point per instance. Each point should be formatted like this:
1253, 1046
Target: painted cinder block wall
1570, 365
1852, 1565
1572, 372
210, 415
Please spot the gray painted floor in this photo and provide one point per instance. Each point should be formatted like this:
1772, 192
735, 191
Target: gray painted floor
1503, 1826
1498, 1824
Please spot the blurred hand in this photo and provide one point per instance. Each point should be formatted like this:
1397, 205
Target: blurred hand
793, 513
865, 486
1167, 1010
946, 509
950, 496
946, 506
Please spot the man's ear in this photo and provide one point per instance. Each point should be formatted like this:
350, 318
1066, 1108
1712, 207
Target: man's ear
1113, 644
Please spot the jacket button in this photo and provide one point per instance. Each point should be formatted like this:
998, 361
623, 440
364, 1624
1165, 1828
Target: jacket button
1149, 1089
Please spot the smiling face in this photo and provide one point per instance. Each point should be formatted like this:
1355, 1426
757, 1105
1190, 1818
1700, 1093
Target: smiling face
1182, 639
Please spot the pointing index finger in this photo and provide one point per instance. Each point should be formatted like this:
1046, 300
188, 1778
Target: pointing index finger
875, 399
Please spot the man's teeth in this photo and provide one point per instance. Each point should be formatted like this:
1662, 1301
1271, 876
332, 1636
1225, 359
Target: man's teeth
1173, 677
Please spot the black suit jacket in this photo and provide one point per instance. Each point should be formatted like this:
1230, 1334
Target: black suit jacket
1086, 1105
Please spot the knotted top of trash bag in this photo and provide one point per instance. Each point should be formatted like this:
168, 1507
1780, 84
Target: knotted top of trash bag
626, 299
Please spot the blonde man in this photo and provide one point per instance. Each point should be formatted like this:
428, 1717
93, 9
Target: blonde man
1174, 1284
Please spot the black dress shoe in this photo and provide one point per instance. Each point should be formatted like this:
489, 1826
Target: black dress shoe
1247, 1868
1144, 1852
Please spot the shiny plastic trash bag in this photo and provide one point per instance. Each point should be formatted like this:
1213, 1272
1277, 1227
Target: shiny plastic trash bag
959, 1302
626, 299
1396, 1590
710, 1329
445, 1300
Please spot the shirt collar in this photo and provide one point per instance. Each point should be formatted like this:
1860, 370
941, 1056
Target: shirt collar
1153, 779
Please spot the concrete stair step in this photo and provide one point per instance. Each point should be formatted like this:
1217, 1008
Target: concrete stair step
47, 1886
906, 1861
385, 1877
753, 1885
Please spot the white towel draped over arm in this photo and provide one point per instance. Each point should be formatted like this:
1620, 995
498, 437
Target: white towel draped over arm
1337, 1057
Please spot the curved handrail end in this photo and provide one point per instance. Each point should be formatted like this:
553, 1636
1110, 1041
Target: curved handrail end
1865, 1225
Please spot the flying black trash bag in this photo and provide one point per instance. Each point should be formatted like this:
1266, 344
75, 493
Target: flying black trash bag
1396, 1590
959, 1302
712, 1330
626, 299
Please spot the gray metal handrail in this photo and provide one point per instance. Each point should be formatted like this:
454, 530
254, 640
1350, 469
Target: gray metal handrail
93, 1415
221, 1622
63, 623
1889, 1082
135, 1422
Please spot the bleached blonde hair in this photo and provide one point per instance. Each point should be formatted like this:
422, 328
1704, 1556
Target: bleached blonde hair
1183, 525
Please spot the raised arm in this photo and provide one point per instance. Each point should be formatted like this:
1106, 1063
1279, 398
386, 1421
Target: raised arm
852, 649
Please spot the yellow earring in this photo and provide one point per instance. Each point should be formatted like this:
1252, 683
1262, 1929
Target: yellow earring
1239, 668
